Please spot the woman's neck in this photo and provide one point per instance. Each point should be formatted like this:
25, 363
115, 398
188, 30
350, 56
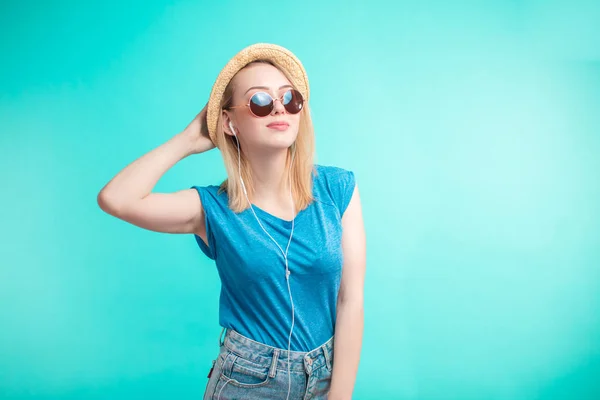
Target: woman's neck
270, 177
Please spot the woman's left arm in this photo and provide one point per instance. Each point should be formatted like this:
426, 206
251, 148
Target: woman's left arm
350, 317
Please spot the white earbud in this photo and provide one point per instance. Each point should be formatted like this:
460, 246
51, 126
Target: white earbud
232, 130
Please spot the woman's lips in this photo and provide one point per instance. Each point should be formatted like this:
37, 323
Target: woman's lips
279, 126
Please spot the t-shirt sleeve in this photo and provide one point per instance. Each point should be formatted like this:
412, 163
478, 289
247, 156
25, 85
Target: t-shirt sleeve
207, 204
345, 183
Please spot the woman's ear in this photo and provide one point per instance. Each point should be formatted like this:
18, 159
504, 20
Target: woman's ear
227, 121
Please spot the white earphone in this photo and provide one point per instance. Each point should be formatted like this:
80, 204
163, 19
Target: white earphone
239, 161
284, 253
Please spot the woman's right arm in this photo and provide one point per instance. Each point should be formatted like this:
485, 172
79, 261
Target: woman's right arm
128, 195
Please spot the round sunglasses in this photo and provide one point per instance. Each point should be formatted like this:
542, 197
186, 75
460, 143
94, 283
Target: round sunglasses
261, 104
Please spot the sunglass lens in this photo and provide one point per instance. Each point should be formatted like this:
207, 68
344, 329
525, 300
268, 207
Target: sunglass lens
292, 101
261, 104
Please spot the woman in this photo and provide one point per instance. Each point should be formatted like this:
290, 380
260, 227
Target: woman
286, 235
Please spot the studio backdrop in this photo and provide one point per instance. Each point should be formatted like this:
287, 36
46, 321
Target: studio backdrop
473, 129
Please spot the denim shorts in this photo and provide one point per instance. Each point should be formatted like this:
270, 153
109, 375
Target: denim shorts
246, 369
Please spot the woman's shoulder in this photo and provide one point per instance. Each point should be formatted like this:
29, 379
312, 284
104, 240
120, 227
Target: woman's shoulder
211, 195
212, 190
334, 183
331, 171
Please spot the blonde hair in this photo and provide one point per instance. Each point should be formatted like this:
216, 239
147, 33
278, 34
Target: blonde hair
301, 169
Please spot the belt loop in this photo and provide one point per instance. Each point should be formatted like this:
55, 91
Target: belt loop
221, 335
327, 357
274, 363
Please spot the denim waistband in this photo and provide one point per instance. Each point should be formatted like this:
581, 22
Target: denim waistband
277, 358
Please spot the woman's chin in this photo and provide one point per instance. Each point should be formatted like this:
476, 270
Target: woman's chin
281, 142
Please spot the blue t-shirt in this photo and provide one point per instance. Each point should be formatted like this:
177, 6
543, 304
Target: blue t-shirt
254, 298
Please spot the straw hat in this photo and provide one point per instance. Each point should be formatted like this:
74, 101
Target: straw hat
280, 56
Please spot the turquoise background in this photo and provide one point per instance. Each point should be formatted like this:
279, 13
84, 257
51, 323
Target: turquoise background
474, 131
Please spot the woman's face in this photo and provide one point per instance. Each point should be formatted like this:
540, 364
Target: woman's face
265, 133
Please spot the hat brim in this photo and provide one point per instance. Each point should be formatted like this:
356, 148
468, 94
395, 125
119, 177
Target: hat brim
280, 56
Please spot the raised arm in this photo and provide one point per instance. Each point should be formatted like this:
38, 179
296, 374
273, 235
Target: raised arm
128, 195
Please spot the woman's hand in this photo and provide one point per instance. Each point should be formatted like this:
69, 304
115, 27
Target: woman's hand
197, 134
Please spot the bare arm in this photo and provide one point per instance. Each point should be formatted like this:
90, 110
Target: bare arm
128, 195
350, 315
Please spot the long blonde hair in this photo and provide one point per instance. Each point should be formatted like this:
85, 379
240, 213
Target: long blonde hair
301, 169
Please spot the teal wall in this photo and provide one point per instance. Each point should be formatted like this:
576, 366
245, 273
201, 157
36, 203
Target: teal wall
474, 131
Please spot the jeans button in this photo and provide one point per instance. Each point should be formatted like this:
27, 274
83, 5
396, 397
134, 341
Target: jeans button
308, 364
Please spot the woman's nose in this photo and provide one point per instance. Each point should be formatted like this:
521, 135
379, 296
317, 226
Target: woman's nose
278, 107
